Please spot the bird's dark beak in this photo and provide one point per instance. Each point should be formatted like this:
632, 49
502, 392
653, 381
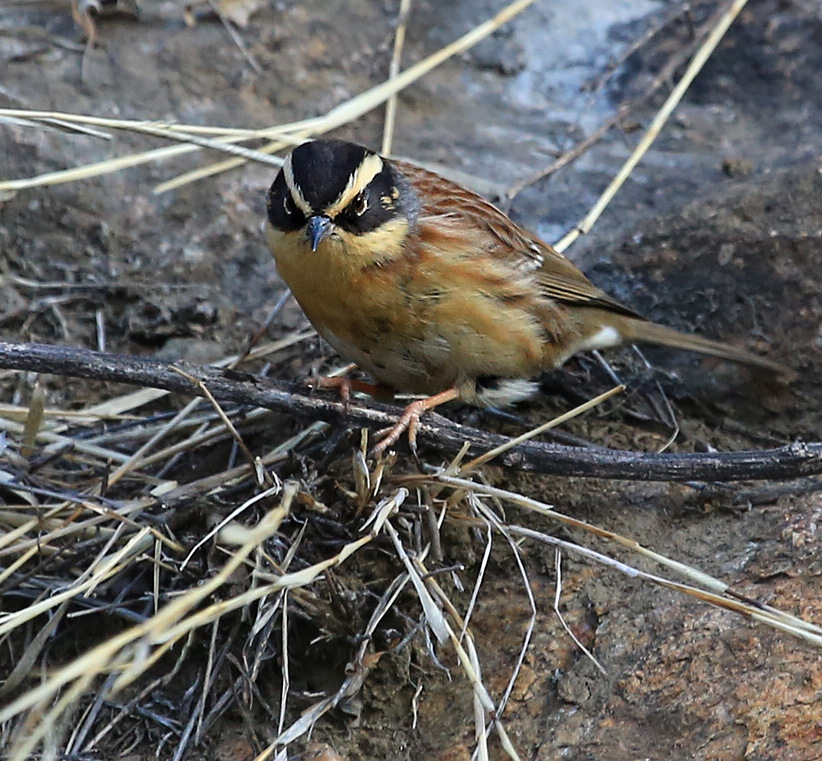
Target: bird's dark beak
318, 229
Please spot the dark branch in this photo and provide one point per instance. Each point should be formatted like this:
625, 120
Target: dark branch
792, 461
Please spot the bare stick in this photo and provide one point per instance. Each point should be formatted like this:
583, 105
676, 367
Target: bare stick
791, 461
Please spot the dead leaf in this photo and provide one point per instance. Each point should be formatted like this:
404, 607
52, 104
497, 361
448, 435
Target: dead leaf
239, 11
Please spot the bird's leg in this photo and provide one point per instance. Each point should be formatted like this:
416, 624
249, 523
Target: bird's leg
410, 418
345, 386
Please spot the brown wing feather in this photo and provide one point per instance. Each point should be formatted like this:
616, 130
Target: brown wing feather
558, 278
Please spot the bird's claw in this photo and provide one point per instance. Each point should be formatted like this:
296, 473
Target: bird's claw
409, 421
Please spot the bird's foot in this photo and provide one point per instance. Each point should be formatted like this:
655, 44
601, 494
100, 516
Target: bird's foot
344, 387
409, 421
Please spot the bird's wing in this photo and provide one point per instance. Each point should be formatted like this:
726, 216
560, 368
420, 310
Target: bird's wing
492, 230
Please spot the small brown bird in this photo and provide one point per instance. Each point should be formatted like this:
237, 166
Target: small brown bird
431, 289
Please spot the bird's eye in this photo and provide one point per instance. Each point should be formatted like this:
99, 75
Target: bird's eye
360, 204
288, 204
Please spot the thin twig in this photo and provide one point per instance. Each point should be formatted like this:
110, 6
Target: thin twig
790, 461
235, 37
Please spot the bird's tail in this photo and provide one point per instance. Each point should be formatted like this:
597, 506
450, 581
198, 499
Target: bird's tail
640, 331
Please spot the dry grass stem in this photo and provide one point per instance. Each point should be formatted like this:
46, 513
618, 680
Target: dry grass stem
466, 652
393, 70
568, 630
658, 122
283, 135
777, 619
540, 429
164, 628
494, 522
